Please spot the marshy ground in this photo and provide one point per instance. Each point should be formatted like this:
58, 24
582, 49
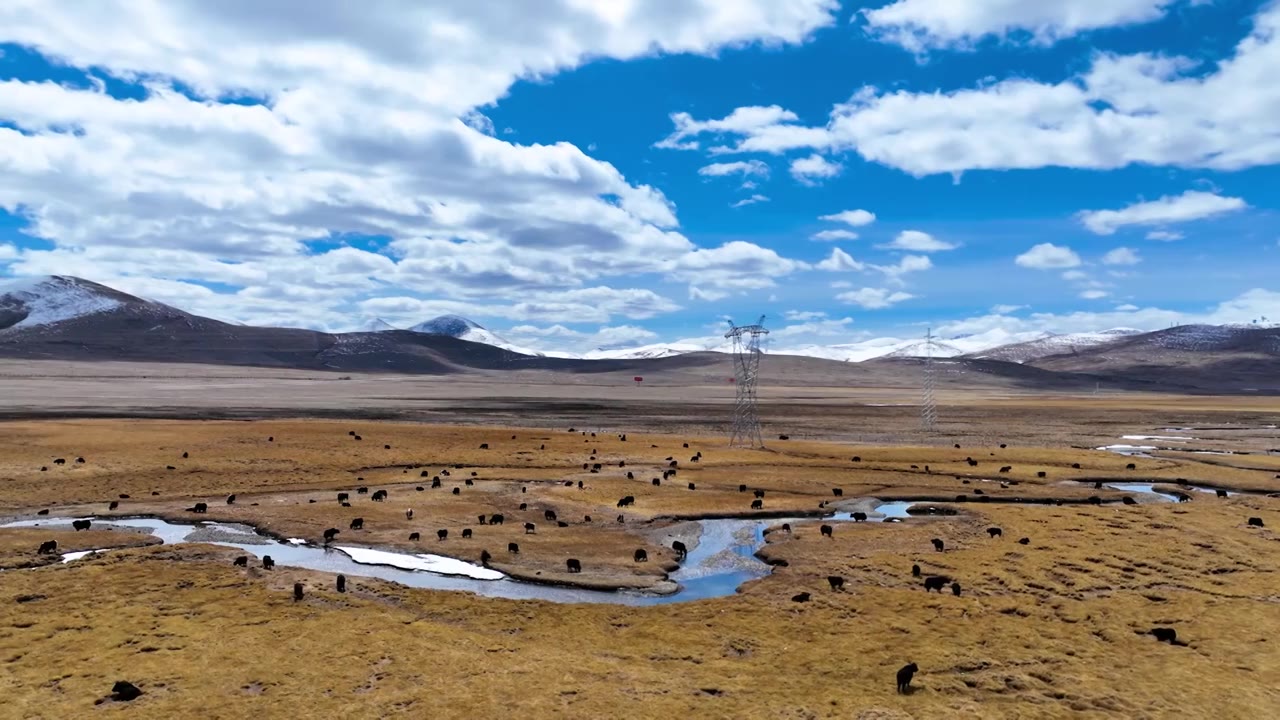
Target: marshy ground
1056, 627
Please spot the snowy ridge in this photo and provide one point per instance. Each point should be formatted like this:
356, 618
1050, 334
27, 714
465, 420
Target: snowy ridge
464, 329
51, 299
1047, 345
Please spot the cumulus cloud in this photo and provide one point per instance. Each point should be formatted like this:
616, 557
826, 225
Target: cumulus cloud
1121, 256
917, 241
926, 24
1143, 108
1006, 309
1047, 256
1164, 235
346, 125
908, 264
810, 170
558, 338
1094, 294
873, 298
856, 218
1191, 205
743, 167
752, 200
803, 315
840, 261
834, 235
1244, 308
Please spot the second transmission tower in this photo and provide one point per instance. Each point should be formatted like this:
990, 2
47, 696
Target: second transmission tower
746, 366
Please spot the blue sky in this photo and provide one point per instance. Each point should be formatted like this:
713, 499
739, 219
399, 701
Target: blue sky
576, 177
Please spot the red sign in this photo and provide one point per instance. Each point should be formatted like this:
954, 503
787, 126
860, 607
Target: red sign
638, 378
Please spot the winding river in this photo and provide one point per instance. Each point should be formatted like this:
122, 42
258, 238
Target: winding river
723, 559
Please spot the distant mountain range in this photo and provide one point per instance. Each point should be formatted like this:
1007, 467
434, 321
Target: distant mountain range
68, 318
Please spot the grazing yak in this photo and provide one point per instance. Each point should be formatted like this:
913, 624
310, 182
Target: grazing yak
496, 519
378, 495
549, 515
513, 548
343, 497
1131, 466
936, 582
342, 583
757, 504
81, 525
414, 537
357, 524
859, 517
836, 582
457, 491
800, 598
1128, 500
955, 589
915, 571
362, 490
1024, 541
995, 532
628, 500
641, 555
657, 482
485, 557
466, 533
48, 547
124, 691
268, 563
1255, 522
198, 508
231, 499
573, 565
680, 549
904, 677
1168, 635
758, 493
938, 545
297, 591
530, 528
242, 561
408, 514
838, 492
826, 530
442, 534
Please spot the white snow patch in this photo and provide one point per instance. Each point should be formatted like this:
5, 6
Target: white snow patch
427, 563
49, 300
1127, 449
1155, 437
68, 557
297, 541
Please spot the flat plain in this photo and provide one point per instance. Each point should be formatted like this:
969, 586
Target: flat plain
1056, 627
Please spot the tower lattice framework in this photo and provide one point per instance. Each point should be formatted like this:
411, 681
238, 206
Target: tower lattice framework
928, 402
746, 364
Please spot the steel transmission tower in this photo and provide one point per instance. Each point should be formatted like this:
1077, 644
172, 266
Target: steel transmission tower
746, 365
928, 403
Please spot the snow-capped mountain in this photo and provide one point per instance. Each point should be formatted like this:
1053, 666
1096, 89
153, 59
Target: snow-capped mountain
375, 324
461, 328
35, 302
1048, 344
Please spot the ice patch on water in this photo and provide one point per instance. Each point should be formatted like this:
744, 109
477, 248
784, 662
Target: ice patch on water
428, 563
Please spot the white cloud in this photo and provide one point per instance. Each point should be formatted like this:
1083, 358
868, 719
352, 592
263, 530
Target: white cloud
834, 235
740, 121
707, 295
1006, 309
1145, 109
744, 167
1074, 275
733, 266
1191, 205
873, 298
907, 264
1246, 307
917, 241
1121, 256
1094, 294
365, 125
804, 315
1164, 235
840, 261
8, 252
924, 24
1047, 256
856, 218
563, 339
813, 329
841, 285
808, 170
756, 198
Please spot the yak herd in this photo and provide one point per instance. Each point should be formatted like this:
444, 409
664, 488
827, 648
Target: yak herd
938, 583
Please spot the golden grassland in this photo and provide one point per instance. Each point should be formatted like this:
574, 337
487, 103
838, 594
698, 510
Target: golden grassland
18, 546
1054, 628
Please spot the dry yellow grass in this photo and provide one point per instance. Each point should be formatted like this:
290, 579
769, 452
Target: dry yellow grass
19, 546
1049, 629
